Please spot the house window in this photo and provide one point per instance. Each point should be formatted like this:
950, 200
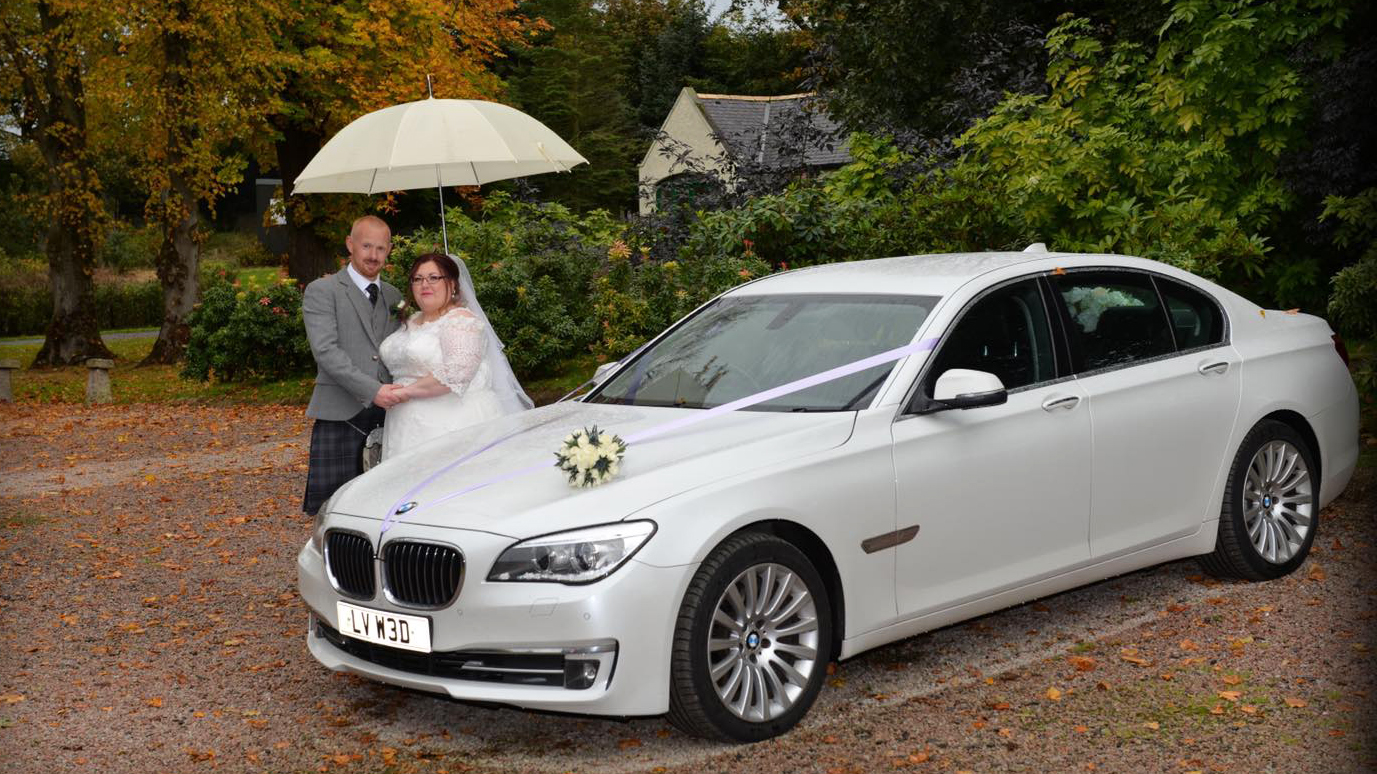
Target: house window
685, 189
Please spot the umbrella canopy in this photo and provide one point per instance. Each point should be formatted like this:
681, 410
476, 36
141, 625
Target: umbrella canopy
435, 142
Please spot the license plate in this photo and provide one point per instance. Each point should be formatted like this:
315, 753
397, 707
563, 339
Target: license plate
410, 632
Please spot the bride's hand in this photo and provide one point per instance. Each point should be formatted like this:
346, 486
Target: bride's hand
401, 393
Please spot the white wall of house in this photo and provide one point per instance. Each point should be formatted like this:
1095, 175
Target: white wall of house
687, 124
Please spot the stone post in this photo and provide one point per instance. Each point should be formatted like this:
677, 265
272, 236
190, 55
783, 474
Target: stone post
7, 367
98, 380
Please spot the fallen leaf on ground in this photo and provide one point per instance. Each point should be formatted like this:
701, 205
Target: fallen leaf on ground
1232, 679
1132, 657
1054, 694
1230, 695
1081, 663
1316, 573
11, 698
627, 744
1152, 724
1292, 701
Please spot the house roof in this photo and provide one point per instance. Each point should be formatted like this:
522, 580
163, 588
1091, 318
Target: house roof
756, 128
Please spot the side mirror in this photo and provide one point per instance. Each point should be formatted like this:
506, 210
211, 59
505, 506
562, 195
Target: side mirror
960, 388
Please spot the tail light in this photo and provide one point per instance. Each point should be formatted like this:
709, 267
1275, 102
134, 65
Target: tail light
1341, 349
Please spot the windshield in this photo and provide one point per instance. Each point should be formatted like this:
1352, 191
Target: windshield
743, 345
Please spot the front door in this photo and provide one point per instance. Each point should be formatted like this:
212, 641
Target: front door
1000, 493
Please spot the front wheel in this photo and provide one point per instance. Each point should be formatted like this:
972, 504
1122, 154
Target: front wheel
1271, 507
752, 641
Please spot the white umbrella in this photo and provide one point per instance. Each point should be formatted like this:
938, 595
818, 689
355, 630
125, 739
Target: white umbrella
435, 142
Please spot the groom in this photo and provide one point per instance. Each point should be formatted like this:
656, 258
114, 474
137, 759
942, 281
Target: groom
347, 316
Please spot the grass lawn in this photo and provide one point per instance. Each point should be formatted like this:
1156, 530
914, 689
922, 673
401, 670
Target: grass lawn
163, 384
151, 384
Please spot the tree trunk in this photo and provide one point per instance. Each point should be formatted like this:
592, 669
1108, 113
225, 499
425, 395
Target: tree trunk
72, 335
178, 259
73, 196
176, 210
308, 255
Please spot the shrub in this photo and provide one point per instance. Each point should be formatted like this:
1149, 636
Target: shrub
632, 302
127, 248
240, 332
238, 248
1351, 307
533, 268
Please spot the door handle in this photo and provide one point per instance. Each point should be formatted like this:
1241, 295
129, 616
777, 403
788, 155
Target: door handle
1213, 368
1064, 402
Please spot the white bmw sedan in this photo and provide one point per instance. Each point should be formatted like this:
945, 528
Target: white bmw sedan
828, 460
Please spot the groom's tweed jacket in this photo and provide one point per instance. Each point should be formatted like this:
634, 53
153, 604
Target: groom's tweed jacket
345, 331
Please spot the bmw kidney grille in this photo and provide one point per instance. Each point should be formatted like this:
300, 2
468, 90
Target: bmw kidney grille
421, 574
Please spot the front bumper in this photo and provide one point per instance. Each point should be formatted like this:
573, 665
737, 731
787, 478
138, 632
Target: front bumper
506, 643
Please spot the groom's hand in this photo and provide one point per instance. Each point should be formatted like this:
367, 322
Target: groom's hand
387, 396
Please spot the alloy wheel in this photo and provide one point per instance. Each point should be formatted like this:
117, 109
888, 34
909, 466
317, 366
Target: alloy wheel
763, 644
1278, 501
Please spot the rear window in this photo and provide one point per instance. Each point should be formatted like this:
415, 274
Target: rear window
1195, 317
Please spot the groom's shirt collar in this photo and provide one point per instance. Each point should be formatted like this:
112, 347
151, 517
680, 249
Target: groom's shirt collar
361, 281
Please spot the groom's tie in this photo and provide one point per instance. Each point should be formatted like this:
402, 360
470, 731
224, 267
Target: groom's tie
373, 293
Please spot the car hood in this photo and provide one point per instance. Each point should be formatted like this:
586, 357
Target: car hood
507, 484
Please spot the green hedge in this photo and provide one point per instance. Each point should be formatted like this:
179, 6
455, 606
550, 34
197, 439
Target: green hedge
28, 305
27, 310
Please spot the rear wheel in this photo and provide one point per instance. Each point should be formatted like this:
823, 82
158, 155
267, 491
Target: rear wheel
752, 641
1271, 507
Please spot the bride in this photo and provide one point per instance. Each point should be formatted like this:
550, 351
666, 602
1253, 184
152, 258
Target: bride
446, 359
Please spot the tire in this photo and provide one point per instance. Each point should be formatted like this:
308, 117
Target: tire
766, 680
1271, 507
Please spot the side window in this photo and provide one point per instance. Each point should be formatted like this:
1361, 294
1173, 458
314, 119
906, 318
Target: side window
1115, 317
1195, 317
1005, 333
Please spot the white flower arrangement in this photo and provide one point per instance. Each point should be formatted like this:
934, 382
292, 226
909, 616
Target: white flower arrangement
1087, 304
590, 456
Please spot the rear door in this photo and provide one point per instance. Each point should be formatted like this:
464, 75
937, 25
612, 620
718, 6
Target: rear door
1163, 384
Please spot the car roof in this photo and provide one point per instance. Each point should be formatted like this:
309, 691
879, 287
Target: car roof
928, 275
941, 274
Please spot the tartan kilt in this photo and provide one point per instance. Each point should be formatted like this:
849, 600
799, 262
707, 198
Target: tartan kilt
336, 455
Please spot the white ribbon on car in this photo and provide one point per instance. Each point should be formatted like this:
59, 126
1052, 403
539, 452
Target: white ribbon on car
804, 383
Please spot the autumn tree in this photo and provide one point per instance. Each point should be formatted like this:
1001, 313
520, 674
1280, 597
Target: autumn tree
46, 50
344, 59
204, 74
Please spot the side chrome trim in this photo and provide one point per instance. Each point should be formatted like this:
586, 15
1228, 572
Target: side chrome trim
889, 539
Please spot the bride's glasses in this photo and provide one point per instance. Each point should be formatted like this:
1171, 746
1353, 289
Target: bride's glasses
430, 279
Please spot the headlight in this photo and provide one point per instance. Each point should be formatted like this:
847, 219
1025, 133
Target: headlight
579, 556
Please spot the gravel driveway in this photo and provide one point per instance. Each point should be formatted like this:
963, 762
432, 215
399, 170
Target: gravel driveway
149, 622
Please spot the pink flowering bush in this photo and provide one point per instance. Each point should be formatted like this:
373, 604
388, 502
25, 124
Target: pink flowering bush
242, 333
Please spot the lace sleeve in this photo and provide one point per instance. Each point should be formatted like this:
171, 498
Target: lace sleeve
461, 350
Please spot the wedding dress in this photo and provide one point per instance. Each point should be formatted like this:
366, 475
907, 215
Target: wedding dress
453, 349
